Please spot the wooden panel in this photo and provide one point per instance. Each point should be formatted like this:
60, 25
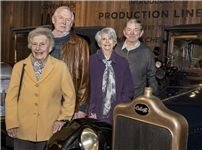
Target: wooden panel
1, 31
7, 38
155, 16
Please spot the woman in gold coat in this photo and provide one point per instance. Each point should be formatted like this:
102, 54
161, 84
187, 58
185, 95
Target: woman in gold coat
38, 114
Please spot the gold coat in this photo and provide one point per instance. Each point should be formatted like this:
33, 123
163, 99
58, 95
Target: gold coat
40, 101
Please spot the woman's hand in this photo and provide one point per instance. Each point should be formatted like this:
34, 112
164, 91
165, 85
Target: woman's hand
12, 132
57, 126
93, 116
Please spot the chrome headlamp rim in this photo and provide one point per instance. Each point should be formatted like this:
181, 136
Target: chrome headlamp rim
89, 139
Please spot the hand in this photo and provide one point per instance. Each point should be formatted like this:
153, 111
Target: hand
93, 116
12, 132
57, 126
80, 114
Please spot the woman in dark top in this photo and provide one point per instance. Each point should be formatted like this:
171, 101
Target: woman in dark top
110, 78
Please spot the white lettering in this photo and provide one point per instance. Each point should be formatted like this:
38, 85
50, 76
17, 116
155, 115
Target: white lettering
144, 110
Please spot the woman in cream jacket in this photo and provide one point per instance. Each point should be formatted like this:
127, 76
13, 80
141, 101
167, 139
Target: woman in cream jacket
38, 114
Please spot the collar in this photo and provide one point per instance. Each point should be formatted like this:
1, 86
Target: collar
101, 56
34, 62
50, 59
62, 35
73, 38
134, 47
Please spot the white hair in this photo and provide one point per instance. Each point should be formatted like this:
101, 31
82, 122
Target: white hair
107, 31
62, 8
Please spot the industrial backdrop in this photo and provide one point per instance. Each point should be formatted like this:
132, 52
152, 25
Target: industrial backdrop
155, 16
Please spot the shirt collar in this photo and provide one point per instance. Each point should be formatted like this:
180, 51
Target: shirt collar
134, 47
62, 35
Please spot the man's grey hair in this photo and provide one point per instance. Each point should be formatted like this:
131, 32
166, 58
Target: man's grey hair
41, 31
134, 21
107, 31
62, 8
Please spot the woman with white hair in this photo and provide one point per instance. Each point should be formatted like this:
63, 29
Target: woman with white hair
110, 78
35, 113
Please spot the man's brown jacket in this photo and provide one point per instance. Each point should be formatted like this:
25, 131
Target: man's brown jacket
75, 53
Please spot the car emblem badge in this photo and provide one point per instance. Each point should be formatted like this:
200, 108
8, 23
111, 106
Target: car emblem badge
141, 109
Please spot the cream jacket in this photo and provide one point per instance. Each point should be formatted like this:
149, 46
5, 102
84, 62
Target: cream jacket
40, 101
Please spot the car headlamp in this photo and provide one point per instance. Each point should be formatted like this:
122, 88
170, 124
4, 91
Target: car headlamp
89, 139
158, 64
160, 73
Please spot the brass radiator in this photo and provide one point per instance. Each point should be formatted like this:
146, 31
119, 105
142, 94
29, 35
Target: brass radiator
147, 124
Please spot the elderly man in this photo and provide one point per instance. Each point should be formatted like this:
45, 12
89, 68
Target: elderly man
139, 56
74, 51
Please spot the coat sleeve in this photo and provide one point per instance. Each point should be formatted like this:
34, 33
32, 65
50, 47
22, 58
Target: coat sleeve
68, 92
127, 92
151, 72
11, 98
93, 76
83, 91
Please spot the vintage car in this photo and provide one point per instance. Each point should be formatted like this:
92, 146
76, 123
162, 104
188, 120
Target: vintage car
6, 70
180, 90
180, 78
85, 133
